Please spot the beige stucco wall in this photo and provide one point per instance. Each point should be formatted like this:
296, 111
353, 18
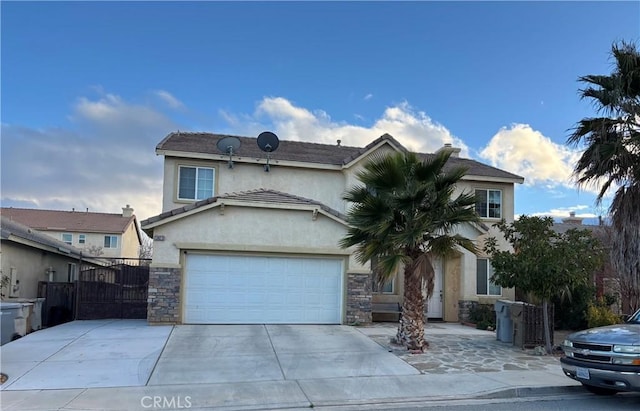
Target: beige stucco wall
250, 229
30, 266
286, 231
326, 186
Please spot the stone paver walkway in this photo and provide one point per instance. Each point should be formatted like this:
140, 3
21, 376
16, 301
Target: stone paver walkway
455, 348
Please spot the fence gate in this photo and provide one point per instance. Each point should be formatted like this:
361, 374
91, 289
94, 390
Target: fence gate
118, 290
59, 302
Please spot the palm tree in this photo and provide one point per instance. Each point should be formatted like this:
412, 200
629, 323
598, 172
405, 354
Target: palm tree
403, 214
612, 158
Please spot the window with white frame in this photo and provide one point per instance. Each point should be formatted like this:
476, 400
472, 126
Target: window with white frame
110, 241
82, 238
195, 183
489, 203
67, 238
388, 287
484, 286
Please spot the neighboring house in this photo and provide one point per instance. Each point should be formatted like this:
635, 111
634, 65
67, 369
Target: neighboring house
29, 256
242, 245
98, 234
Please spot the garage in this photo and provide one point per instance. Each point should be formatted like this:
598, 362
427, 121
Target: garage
248, 289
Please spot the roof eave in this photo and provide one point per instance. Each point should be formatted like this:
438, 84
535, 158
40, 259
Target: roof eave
510, 180
247, 160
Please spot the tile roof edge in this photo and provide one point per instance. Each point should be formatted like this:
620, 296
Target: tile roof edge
229, 196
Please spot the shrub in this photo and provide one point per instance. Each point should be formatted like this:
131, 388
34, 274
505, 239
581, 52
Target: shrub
483, 315
571, 311
599, 314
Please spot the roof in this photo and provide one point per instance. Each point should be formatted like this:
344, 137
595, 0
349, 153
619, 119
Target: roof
251, 196
332, 154
13, 228
72, 221
562, 228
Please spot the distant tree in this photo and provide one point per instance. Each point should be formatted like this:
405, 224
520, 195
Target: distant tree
611, 158
146, 248
94, 250
403, 215
4, 285
543, 262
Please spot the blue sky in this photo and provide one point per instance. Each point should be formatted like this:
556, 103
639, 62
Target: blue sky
89, 88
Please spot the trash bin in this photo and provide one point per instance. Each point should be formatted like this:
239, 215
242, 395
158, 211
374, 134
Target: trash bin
504, 324
8, 314
528, 324
23, 319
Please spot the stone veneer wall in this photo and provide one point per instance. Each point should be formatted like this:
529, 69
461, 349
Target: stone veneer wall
164, 295
464, 309
358, 298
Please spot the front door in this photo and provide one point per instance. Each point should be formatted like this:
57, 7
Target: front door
434, 307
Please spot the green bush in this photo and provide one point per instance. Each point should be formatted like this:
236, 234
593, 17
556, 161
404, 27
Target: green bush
599, 314
571, 311
483, 315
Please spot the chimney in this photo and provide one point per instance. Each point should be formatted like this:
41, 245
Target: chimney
448, 147
339, 141
127, 211
572, 219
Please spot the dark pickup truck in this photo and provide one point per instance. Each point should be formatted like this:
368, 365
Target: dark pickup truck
606, 360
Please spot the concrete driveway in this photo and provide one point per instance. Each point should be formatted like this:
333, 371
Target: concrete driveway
119, 353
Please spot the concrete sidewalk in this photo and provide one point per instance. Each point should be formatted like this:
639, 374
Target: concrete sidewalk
462, 363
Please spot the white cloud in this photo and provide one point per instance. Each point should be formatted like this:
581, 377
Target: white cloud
368, 97
169, 99
412, 128
527, 152
582, 211
105, 160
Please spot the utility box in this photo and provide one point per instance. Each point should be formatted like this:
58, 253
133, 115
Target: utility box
8, 314
504, 324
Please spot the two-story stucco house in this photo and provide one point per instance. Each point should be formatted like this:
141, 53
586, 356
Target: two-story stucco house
105, 235
238, 244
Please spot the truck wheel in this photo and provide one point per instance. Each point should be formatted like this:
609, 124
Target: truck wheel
599, 390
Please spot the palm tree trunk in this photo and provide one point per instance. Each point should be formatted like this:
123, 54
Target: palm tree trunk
411, 326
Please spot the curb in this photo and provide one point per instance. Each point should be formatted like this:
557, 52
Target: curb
525, 392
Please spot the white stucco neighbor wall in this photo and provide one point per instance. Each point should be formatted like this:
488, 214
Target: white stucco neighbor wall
252, 230
128, 244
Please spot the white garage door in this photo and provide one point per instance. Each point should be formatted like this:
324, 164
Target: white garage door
224, 289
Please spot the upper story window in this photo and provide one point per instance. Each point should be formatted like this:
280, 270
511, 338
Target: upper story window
489, 203
110, 241
82, 239
484, 286
67, 238
195, 183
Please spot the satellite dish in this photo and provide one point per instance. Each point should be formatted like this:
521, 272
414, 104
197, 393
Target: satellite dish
268, 142
229, 145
